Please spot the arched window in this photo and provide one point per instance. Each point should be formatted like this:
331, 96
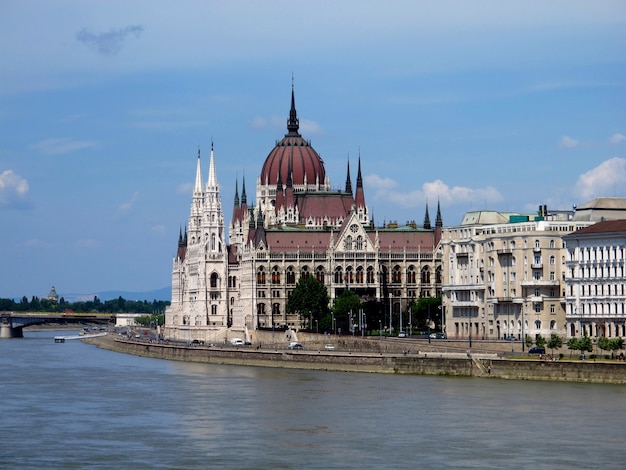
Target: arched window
359, 243
370, 275
410, 275
396, 275
275, 275
260, 276
425, 275
291, 275
349, 275
552, 324
212, 242
304, 272
338, 277
348, 243
438, 274
319, 274
538, 324
214, 278
260, 309
359, 275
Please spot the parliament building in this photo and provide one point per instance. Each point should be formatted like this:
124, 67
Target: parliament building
224, 283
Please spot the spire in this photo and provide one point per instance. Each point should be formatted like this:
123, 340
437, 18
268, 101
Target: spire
293, 124
244, 200
439, 221
359, 198
198, 186
212, 182
280, 197
348, 180
427, 219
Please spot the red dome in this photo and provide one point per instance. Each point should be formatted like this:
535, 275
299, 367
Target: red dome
293, 155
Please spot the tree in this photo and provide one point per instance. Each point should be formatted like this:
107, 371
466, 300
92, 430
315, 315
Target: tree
310, 299
347, 302
573, 344
604, 343
585, 345
425, 309
555, 342
540, 341
529, 342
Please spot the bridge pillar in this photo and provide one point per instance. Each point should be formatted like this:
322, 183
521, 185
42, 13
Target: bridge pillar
7, 330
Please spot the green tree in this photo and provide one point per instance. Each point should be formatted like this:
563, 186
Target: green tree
425, 309
573, 344
529, 341
604, 343
348, 301
540, 341
555, 342
310, 299
586, 345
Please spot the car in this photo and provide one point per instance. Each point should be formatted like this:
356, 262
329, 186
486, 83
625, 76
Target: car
402, 334
236, 342
294, 345
438, 336
329, 347
537, 350
510, 338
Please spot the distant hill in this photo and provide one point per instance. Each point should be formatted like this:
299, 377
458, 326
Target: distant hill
165, 293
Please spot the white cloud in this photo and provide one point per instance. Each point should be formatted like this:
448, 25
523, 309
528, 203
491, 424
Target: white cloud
568, 142
127, 206
61, 145
617, 138
13, 189
601, 180
185, 188
385, 190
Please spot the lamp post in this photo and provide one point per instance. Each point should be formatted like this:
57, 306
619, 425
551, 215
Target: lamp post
469, 324
380, 329
428, 323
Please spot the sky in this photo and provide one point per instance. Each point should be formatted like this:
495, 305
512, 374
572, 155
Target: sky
497, 105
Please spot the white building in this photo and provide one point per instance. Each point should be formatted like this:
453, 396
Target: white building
595, 280
504, 274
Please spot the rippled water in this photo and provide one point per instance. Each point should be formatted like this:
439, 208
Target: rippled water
73, 405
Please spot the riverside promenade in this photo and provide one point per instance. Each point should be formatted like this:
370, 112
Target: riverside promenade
394, 359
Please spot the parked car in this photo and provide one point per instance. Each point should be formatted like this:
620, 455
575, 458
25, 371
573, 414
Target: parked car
537, 350
236, 342
329, 347
437, 336
511, 338
402, 334
294, 345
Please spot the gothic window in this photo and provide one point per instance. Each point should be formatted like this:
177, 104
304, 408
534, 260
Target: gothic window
260, 309
338, 277
425, 278
370, 275
410, 275
214, 278
359, 275
275, 275
349, 275
234, 281
304, 272
260, 276
291, 275
186, 320
348, 243
319, 274
538, 324
396, 275
232, 301
212, 242
359, 242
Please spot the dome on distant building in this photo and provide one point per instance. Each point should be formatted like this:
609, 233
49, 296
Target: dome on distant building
293, 155
53, 296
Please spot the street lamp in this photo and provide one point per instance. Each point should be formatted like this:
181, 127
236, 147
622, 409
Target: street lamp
428, 323
380, 329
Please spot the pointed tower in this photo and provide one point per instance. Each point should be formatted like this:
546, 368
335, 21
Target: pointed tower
213, 226
427, 218
197, 201
349, 181
439, 220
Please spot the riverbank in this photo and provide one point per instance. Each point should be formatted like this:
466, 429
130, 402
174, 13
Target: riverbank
443, 363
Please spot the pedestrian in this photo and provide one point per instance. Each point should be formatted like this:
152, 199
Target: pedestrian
489, 370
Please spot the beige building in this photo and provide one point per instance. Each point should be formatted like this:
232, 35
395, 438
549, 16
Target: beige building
504, 274
595, 283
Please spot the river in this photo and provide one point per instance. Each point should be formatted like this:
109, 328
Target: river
74, 406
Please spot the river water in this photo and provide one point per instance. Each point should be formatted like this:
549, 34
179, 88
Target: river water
73, 406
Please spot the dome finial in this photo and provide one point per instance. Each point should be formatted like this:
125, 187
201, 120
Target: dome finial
293, 124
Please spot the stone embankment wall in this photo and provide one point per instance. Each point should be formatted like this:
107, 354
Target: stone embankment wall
379, 362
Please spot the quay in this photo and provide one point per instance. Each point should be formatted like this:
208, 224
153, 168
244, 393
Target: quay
440, 363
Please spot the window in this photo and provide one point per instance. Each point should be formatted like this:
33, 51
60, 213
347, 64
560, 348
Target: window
338, 277
290, 275
370, 275
260, 275
275, 275
538, 324
214, 278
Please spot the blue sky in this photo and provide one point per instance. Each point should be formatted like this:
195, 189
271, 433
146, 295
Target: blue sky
500, 105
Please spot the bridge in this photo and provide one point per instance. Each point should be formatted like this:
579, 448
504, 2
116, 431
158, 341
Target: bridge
12, 324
